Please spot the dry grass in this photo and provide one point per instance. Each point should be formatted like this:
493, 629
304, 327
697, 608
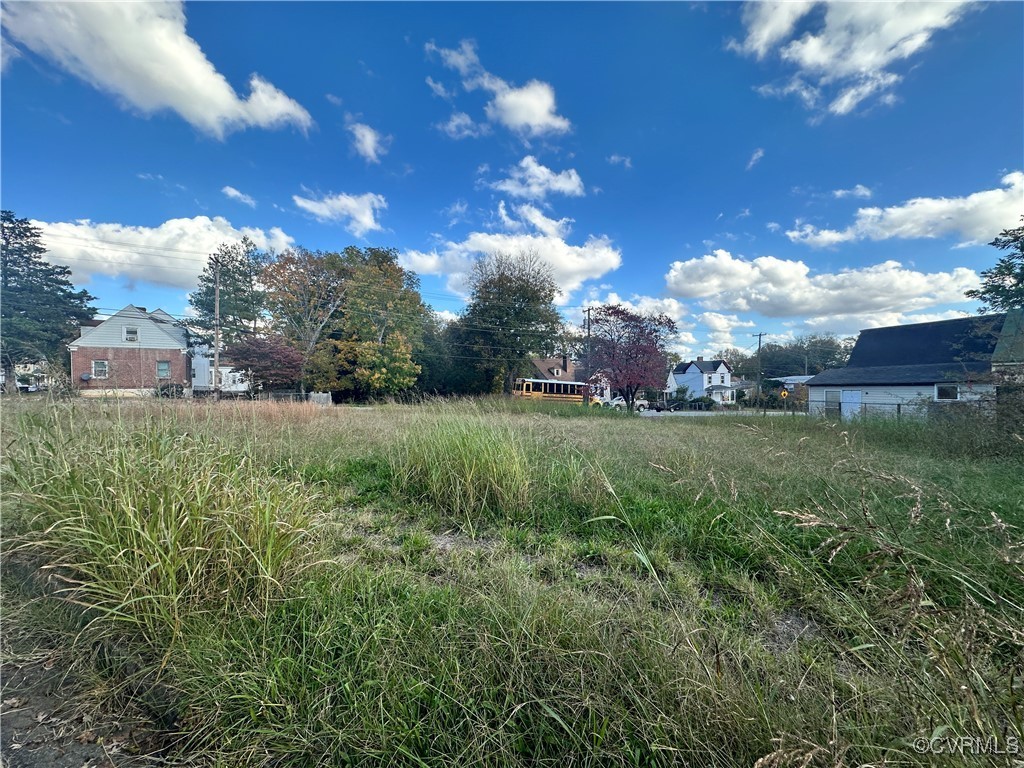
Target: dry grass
482, 585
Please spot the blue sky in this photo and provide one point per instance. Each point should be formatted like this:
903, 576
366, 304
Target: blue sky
780, 167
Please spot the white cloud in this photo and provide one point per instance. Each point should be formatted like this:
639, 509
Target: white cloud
439, 89
623, 160
446, 316
241, 197
781, 288
548, 227
976, 218
533, 181
850, 49
367, 142
456, 212
850, 324
857, 191
172, 254
335, 100
773, 226
720, 328
755, 158
8, 53
358, 212
461, 126
571, 264
529, 110
651, 305
141, 54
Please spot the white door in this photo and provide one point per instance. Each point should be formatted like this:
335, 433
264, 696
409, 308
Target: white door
850, 404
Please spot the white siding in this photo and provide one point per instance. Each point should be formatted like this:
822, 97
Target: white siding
881, 400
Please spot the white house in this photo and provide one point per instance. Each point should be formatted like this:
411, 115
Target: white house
912, 369
703, 378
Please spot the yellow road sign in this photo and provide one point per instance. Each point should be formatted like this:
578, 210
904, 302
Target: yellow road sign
784, 394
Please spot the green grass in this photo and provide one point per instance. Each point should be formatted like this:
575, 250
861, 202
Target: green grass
486, 583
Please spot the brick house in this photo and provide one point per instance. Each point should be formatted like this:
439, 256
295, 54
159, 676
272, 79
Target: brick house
131, 353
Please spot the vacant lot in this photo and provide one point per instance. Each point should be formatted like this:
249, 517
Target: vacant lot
484, 583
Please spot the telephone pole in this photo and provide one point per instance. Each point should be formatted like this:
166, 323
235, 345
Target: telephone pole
759, 335
589, 372
216, 327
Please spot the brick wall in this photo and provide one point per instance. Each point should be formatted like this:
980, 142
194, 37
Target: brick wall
129, 368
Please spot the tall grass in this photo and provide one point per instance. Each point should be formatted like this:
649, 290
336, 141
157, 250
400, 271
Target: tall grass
804, 595
144, 525
475, 465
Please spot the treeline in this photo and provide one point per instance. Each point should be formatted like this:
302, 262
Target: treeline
805, 355
354, 323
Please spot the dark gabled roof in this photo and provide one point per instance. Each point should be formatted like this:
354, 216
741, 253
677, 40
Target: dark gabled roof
1010, 347
968, 339
935, 373
704, 366
922, 353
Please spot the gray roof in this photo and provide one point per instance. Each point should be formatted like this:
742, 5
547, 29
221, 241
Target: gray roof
929, 353
934, 373
704, 366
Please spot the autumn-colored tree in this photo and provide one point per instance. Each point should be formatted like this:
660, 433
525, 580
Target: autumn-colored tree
305, 293
628, 348
269, 361
369, 348
361, 369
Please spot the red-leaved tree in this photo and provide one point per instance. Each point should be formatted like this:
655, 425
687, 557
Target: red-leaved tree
628, 349
269, 360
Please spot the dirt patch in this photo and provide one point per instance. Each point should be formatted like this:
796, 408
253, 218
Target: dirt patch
787, 629
43, 726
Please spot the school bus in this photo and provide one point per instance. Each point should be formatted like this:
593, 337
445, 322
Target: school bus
554, 391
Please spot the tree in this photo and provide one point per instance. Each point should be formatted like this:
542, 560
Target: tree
510, 318
243, 301
305, 293
628, 348
269, 360
381, 321
363, 368
41, 310
1002, 286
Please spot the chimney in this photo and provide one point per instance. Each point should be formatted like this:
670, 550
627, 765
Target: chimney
700, 359
565, 362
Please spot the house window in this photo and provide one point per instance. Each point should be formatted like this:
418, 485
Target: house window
947, 392
721, 378
131, 333
99, 369
163, 369
832, 403
709, 379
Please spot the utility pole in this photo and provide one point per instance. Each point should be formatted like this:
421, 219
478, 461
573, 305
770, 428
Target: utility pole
759, 335
589, 372
216, 327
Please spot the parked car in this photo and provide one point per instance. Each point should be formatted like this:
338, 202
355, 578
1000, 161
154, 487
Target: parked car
670, 405
619, 403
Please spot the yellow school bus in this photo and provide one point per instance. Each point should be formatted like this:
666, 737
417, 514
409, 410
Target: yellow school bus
554, 391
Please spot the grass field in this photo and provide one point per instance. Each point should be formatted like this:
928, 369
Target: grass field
498, 584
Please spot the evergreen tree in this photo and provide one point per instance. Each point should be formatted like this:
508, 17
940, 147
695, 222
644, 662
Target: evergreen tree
243, 301
39, 307
1002, 287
